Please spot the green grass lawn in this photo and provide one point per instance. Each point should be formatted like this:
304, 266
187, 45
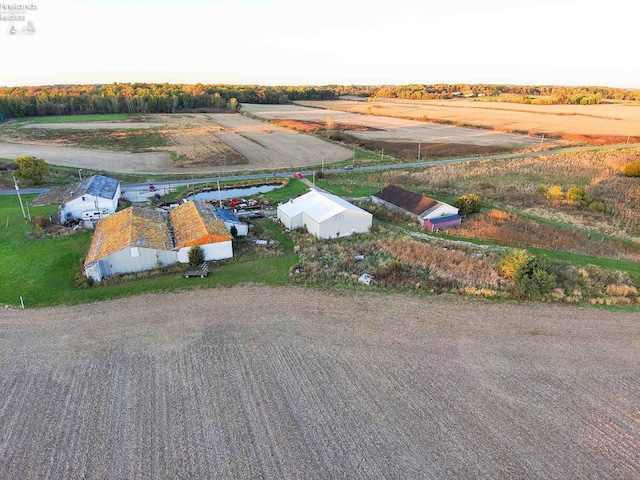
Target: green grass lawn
112, 117
46, 271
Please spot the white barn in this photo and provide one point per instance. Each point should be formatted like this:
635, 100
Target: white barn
93, 198
198, 223
133, 240
324, 215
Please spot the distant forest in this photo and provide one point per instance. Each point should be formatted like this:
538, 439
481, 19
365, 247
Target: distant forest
171, 98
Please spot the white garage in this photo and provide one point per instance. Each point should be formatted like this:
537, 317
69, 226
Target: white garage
324, 215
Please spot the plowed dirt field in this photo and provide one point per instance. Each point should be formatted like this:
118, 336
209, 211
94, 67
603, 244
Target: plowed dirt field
257, 382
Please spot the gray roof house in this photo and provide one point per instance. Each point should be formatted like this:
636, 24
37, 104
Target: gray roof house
93, 198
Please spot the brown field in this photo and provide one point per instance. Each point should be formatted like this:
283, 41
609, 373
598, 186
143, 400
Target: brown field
193, 142
604, 123
200, 143
301, 383
275, 147
388, 128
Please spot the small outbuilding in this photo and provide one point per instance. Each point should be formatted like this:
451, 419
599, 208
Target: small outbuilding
132, 240
324, 215
93, 198
197, 223
231, 221
431, 214
441, 223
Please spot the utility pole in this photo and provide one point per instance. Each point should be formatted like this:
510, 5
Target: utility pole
419, 145
542, 140
15, 182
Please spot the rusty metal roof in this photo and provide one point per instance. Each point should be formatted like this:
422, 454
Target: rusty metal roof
197, 223
410, 201
131, 227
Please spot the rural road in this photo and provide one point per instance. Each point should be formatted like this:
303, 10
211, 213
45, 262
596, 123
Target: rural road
429, 163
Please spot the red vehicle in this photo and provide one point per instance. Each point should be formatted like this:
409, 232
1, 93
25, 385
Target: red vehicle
298, 175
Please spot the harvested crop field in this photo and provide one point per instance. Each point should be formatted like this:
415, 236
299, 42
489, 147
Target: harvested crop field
300, 383
573, 122
388, 128
200, 143
110, 162
275, 147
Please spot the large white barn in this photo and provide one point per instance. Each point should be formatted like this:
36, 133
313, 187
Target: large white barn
324, 215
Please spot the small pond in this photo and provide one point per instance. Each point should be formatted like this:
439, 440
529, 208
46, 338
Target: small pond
232, 193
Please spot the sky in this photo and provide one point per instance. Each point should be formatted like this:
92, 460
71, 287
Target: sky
347, 42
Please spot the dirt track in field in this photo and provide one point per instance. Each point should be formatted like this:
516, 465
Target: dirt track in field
300, 383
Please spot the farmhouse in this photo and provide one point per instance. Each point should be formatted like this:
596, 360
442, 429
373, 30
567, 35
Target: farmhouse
91, 199
198, 223
132, 240
324, 215
431, 214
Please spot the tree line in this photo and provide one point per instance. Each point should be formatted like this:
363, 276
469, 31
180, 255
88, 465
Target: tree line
144, 98
536, 94
135, 98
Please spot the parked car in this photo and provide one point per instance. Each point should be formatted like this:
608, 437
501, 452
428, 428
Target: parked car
348, 167
298, 175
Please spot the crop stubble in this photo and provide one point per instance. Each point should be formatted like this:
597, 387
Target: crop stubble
617, 120
203, 143
388, 128
297, 383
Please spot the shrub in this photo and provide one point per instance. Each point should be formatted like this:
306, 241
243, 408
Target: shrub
555, 192
41, 222
512, 263
632, 169
196, 256
597, 206
578, 196
468, 204
535, 278
32, 169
